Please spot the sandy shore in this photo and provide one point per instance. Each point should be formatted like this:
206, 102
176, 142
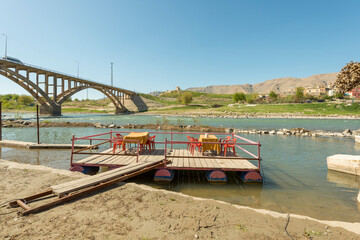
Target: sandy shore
131, 211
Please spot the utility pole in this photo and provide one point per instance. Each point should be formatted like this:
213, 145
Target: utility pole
5, 45
112, 74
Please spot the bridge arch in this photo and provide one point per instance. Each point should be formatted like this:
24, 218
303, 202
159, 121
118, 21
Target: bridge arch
66, 95
57, 87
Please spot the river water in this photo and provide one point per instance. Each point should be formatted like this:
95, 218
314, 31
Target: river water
296, 179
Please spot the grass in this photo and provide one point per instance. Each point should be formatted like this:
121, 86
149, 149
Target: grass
299, 108
303, 108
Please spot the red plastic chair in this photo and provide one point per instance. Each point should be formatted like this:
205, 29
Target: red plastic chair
223, 140
230, 144
194, 145
189, 142
150, 143
118, 141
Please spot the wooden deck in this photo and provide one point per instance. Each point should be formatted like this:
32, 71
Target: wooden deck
180, 159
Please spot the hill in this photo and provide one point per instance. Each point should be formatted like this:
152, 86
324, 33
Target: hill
278, 85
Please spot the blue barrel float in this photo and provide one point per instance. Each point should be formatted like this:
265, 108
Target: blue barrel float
164, 175
216, 176
250, 177
85, 169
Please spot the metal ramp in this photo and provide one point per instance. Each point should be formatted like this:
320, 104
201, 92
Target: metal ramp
80, 187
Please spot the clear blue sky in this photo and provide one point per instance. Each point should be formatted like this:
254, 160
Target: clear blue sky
159, 45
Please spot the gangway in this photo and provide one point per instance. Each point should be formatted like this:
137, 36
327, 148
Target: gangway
75, 189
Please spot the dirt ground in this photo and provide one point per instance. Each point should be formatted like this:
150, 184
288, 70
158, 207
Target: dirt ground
131, 211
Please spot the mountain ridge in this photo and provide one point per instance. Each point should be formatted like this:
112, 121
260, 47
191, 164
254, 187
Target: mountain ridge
277, 85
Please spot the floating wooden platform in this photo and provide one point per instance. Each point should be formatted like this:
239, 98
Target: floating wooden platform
179, 159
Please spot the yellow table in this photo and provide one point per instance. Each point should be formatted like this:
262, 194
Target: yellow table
140, 136
209, 146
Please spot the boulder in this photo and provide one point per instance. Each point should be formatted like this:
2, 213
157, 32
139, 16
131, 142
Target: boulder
344, 163
272, 132
229, 130
111, 126
347, 132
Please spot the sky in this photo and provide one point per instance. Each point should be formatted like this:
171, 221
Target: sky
158, 44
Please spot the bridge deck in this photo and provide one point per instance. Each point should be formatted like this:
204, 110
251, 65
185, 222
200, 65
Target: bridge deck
180, 159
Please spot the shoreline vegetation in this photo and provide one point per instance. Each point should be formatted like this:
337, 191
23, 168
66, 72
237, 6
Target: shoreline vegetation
208, 105
145, 213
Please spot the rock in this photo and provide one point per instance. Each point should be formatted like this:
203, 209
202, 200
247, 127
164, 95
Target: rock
229, 130
111, 126
265, 132
188, 126
347, 132
272, 132
97, 125
26, 123
280, 133
358, 198
344, 163
357, 139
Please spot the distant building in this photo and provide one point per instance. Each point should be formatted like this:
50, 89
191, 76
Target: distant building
316, 91
178, 89
355, 93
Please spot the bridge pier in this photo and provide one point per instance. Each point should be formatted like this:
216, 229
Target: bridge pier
120, 110
50, 110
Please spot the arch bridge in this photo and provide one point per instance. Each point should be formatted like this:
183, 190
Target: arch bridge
51, 89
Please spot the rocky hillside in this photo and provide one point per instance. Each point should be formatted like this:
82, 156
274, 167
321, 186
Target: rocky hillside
277, 85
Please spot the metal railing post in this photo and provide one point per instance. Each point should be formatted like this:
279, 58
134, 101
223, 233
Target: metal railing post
258, 149
72, 150
171, 139
137, 155
110, 137
37, 124
0, 121
165, 152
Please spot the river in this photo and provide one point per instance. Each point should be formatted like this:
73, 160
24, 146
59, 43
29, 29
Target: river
296, 179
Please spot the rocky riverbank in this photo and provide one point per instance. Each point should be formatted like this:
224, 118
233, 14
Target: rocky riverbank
194, 128
229, 114
190, 128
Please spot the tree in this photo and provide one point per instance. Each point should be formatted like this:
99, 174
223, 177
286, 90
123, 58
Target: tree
239, 97
299, 94
25, 100
273, 95
251, 98
15, 97
186, 98
348, 78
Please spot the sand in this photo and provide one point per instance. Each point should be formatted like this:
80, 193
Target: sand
132, 211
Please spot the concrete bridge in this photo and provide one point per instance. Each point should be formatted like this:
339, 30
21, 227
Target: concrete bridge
51, 89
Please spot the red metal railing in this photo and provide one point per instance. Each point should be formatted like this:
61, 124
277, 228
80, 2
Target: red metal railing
238, 145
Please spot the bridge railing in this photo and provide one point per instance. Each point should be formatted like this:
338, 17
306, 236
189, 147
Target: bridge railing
65, 74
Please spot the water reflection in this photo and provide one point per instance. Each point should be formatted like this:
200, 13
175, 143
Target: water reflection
344, 179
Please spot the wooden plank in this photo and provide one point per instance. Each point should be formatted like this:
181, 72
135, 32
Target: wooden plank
186, 160
96, 179
92, 180
94, 156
